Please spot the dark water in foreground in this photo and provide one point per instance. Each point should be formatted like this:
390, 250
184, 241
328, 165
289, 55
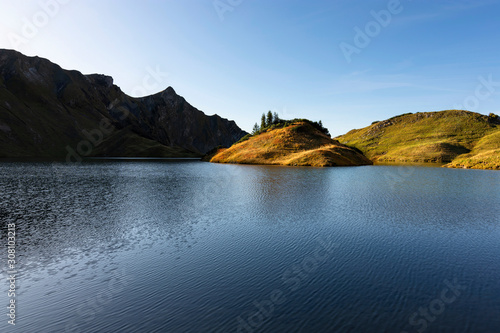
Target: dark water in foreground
185, 246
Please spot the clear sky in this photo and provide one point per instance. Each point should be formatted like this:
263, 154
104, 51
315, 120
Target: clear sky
345, 62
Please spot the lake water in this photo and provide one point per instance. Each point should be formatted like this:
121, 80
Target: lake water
186, 246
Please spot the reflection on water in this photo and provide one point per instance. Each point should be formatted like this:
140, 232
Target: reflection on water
185, 246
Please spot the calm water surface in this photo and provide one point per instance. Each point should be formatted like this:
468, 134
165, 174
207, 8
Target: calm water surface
186, 246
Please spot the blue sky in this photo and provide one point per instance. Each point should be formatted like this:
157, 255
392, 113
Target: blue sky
240, 58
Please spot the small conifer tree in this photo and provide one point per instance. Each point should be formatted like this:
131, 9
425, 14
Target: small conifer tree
269, 120
255, 129
263, 122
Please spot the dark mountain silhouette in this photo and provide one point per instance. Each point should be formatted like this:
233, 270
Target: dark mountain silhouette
46, 111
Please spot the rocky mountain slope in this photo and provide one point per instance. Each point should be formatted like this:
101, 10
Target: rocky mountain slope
461, 138
299, 144
46, 111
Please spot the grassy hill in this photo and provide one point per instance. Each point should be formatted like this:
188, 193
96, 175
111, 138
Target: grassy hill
461, 138
298, 144
484, 155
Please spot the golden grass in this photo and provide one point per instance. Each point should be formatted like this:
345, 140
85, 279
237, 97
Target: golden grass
485, 155
299, 144
440, 137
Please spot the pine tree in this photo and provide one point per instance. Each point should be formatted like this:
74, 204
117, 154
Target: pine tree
263, 122
255, 129
276, 118
323, 129
269, 118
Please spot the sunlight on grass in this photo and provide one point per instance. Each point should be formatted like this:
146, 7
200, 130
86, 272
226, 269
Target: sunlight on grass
299, 144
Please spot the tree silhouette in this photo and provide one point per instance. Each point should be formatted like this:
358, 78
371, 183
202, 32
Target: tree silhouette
269, 118
263, 122
255, 128
276, 118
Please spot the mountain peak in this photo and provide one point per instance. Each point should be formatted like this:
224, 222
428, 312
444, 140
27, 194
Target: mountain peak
49, 111
170, 90
101, 80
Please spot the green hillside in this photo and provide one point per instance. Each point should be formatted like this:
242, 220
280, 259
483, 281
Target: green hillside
440, 137
484, 155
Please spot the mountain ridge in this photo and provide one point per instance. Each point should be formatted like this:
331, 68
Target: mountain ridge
45, 111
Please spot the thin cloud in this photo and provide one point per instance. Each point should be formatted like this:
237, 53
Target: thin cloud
405, 64
356, 83
468, 4
410, 19
363, 86
358, 73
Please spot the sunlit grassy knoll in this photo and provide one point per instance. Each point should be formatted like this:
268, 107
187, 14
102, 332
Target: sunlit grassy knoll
485, 155
425, 137
299, 144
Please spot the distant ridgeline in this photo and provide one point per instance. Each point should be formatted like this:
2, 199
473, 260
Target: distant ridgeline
46, 111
